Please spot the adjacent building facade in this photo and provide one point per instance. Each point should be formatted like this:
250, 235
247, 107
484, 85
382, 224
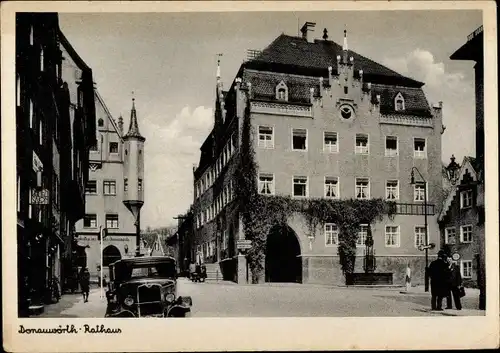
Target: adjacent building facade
105, 193
463, 214
54, 127
326, 122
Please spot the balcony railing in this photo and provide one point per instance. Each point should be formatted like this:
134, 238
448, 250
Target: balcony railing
414, 209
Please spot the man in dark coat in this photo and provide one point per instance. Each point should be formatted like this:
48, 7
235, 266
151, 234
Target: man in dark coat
85, 284
439, 275
455, 282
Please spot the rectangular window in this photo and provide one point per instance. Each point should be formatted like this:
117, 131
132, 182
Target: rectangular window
466, 268
331, 234
31, 35
450, 235
300, 186
113, 147
139, 185
266, 137
466, 234
419, 236
266, 184
225, 240
18, 91
109, 187
362, 146
392, 190
391, 146
362, 188
91, 187
40, 132
125, 184
112, 221
299, 139
332, 187
30, 207
362, 234
419, 148
42, 66
419, 192
31, 114
330, 142
392, 236
466, 199
90, 221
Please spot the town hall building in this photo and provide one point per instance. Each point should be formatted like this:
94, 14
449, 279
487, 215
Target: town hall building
328, 123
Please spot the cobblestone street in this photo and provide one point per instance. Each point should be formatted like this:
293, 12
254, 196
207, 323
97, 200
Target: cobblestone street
227, 299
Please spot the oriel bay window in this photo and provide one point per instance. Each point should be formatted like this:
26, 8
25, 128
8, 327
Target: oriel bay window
112, 221
299, 139
300, 186
266, 137
362, 188
109, 187
332, 187
266, 184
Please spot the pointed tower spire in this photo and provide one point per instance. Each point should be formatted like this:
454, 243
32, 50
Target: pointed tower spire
218, 67
133, 129
345, 47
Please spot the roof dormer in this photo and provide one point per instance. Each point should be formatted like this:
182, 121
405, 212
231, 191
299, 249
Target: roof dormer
282, 91
399, 102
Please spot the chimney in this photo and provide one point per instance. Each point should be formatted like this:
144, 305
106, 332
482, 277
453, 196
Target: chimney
306, 31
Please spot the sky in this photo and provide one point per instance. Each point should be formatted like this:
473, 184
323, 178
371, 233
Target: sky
169, 61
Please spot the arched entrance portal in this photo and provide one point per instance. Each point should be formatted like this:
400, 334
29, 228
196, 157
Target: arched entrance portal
283, 261
110, 254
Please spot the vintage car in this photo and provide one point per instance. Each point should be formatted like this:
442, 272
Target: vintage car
145, 287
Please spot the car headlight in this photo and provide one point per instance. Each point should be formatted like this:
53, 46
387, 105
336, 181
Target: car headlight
128, 301
170, 297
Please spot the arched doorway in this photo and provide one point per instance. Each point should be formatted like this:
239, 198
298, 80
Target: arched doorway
110, 254
283, 261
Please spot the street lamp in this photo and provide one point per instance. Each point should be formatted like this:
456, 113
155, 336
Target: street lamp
426, 245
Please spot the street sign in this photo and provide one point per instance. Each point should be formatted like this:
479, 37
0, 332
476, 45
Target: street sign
243, 244
455, 256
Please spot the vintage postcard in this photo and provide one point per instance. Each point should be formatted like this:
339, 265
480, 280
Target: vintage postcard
213, 176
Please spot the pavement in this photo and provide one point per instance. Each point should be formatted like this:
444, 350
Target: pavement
227, 299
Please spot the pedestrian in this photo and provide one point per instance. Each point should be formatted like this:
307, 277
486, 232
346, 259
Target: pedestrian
455, 285
85, 284
192, 270
439, 275
408, 278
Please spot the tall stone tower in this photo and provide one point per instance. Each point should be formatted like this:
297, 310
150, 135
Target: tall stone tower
133, 172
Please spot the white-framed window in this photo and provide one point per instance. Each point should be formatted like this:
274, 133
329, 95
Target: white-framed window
18, 90
91, 187
466, 199
300, 186
90, 221
399, 102
419, 235
282, 91
113, 147
40, 132
109, 187
450, 235
332, 187
330, 142
466, 233
331, 234
266, 137
391, 146
299, 139
419, 148
362, 235
466, 268
392, 236
392, 190
31, 114
362, 188
112, 221
419, 192
362, 144
266, 184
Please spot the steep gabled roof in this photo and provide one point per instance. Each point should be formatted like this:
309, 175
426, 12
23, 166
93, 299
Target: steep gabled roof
100, 101
467, 166
298, 53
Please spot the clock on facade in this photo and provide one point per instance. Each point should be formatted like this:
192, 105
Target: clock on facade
346, 112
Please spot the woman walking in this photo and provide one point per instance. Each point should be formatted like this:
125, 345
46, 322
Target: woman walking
85, 284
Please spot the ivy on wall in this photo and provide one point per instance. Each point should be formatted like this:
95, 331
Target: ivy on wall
260, 213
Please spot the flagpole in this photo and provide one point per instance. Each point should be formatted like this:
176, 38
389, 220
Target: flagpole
101, 236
